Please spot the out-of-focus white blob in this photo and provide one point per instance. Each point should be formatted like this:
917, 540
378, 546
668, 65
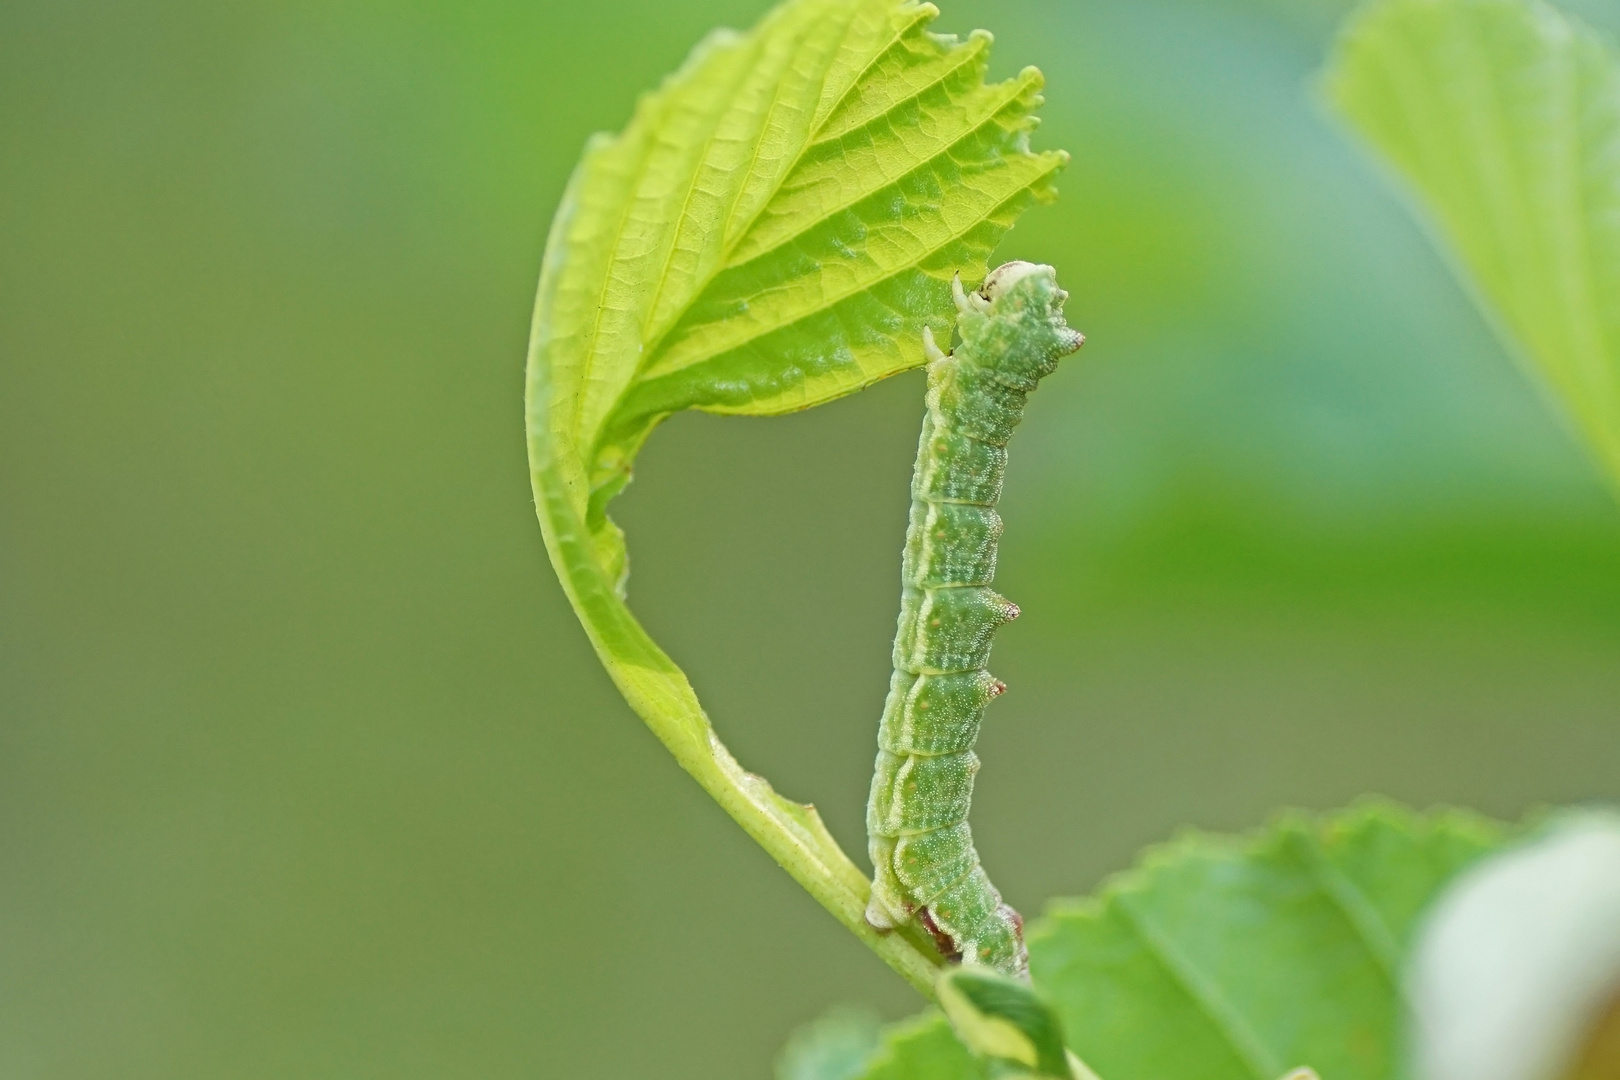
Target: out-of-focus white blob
1519, 961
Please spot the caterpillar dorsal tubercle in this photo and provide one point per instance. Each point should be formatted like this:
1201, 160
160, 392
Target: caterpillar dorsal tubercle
924, 864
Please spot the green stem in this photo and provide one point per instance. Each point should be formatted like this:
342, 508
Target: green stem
792, 833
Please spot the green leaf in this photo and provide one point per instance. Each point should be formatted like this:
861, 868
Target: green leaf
1240, 958
997, 1026
1503, 116
923, 1048
1004, 1021
835, 1047
774, 229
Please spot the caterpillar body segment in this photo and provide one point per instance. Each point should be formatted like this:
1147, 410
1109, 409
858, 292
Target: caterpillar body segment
925, 865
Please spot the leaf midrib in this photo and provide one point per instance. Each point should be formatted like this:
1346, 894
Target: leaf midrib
1245, 1044
1354, 906
588, 361
922, 13
745, 68
753, 159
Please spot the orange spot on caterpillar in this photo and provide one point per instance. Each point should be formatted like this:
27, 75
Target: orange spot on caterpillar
997, 688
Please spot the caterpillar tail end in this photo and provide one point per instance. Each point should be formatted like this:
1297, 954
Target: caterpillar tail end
878, 917
969, 922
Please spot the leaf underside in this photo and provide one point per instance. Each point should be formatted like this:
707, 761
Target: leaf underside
1236, 958
1503, 117
776, 226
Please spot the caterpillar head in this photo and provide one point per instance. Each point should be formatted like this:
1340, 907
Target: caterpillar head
1005, 278
1017, 318
1001, 281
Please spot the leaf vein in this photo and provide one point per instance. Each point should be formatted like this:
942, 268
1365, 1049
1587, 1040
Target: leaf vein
1014, 88
962, 54
737, 233
1352, 903
839, 297
692, 186
920, 13
1202, 992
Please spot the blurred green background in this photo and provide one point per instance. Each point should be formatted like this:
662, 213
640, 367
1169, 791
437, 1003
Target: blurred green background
307, 770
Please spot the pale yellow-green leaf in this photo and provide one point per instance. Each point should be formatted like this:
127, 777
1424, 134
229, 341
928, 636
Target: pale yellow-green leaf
776, 225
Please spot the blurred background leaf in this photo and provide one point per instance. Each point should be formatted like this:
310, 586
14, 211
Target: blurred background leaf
920, 1048
1503, 116
302, 755
835, 1046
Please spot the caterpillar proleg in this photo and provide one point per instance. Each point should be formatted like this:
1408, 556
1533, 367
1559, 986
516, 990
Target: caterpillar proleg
925, 865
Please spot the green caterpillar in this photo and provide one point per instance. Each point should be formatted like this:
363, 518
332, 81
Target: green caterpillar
925, 866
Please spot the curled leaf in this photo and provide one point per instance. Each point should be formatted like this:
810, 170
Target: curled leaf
774, 229
1003, 1020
